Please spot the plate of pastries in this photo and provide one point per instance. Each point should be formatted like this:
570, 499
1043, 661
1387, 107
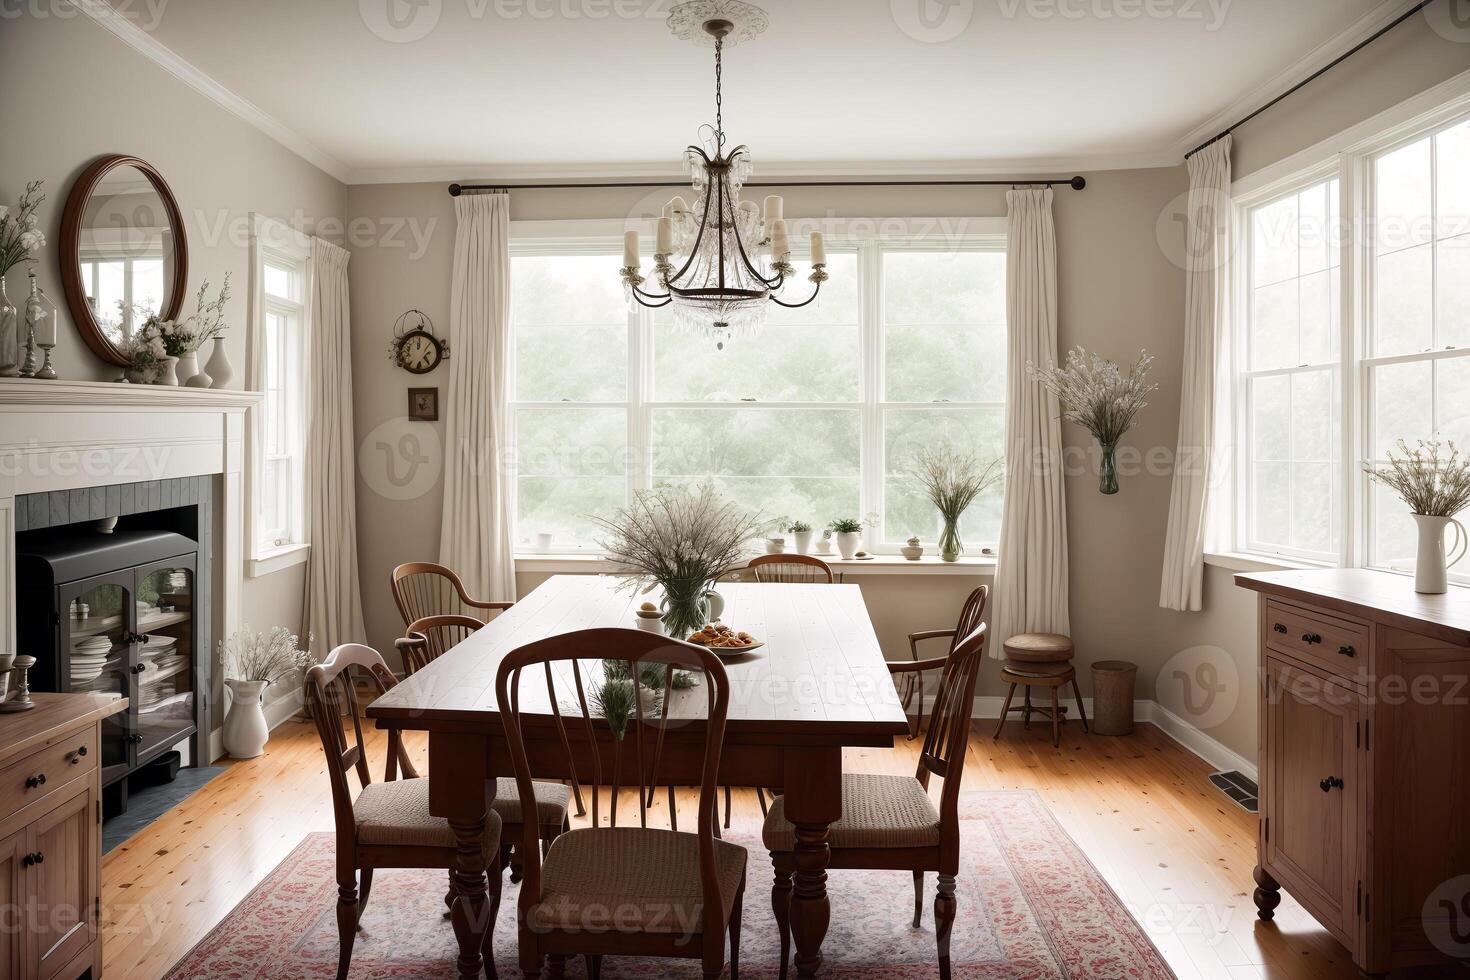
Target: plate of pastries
723, 640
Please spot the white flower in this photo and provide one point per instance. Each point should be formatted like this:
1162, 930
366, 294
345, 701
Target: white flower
32, 240
31, 220
4, 210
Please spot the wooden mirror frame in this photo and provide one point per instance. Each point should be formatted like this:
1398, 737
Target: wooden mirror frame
71, 232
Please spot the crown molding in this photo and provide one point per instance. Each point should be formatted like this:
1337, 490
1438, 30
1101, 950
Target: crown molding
1337, 45
102, 13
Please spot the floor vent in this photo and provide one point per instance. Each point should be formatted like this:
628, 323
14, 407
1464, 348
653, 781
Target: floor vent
1238, 787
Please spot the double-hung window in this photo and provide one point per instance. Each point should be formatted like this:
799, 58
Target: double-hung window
813, 418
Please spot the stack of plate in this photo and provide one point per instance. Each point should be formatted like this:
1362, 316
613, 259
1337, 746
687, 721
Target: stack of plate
88, 657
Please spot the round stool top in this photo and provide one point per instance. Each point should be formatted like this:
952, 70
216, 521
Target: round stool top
1115, 666
1039, 648
1049, 672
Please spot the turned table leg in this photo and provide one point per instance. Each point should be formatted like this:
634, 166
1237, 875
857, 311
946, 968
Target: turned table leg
813, 802
457, 793
1267, 894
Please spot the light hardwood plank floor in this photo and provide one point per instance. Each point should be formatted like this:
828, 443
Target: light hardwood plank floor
1176, 851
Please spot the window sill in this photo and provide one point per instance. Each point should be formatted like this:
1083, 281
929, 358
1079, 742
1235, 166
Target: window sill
277, 559
983, 565
1240, 561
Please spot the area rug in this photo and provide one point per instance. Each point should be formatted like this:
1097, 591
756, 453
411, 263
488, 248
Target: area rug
1030, 906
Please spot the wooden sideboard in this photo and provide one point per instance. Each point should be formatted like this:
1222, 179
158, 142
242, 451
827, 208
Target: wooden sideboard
1365, 761
51, 838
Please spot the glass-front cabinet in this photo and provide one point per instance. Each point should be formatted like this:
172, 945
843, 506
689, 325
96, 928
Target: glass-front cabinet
165, 609
96, 655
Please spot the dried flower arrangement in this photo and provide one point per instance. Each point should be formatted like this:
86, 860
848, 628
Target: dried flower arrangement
251, 656
952, 481
1096, 395
1432, 486
20, 238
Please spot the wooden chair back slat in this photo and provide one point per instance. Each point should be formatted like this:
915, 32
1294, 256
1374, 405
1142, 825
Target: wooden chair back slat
791, 569
943, 753
971, 614
574, 668
436, 636
425, 588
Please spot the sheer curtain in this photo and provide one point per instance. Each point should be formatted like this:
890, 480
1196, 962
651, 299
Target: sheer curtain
1031, 575
475, 538
1201, 399
333, 603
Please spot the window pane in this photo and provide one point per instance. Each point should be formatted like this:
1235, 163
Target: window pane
1395, 539
1453, 285
1402, 192
1313, 506
570, 324
1403, 405
1274, 237
1403, 311
1452, 183
1313, 417
1271, 417
806, 354
798, 463
571, 463
1319, 305
1293, 313
1452, 400
836, 303
906, 510
1271, 504
1294, 470
1275, 314
950, 286
277, 282
945, 326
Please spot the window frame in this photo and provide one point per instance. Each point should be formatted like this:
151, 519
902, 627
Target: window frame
274, 243
868, 238
1348, 157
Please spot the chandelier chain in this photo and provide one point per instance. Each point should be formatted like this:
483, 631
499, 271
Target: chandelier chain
719, 97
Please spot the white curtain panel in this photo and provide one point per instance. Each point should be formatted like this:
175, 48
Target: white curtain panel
1031, 577
333, 605
475, 540
1206, 313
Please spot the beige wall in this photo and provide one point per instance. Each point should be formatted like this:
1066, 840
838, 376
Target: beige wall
74, 93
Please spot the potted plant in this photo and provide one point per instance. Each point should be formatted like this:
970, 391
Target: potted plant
801, 534
252, 662
952, 481
849, 531
913, 549
682, 541
1096, 395
1436, 490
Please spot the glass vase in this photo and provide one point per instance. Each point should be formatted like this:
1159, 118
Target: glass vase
9, 335
950, 545
684, 613
1108, 474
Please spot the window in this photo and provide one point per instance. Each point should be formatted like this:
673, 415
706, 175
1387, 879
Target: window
279, 324
813, 419
1322, 396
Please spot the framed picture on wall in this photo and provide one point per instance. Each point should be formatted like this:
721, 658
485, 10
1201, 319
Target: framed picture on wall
423, 404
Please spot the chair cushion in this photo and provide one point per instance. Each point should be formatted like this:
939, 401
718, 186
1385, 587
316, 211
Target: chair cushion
1041, 648
877, 811
551, 801
1049, 673
632, 879
398, 813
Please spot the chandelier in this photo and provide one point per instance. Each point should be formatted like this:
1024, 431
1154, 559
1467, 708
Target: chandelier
720, 261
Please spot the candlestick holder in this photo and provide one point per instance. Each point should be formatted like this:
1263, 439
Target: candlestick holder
21, 675
28, 369
46, 372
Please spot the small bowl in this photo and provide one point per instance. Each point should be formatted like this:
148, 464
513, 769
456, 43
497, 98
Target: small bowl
912, 552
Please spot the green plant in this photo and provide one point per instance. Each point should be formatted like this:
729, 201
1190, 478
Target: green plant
953, 480
1431, 486
846, 525
798, 527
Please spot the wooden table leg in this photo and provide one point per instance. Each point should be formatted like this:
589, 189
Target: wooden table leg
813, 802
457, 793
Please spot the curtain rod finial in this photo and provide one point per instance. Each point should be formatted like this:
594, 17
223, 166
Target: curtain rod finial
1078, 183
455, 189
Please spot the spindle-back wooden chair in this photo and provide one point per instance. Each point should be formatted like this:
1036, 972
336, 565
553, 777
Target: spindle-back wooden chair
912, 686
791, 569
426, 588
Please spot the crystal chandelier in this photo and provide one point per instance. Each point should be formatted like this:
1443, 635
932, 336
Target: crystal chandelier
720, 260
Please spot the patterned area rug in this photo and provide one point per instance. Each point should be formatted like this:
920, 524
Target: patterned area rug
1030, 906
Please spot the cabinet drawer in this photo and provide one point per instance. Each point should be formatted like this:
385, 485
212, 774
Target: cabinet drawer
43, 771
1334, 644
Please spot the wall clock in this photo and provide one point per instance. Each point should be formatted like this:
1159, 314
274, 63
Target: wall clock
414, 347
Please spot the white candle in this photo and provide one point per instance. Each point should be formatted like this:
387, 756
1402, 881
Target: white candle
773, 208
819, 250
45, 326
630, 250
664, 237
675, 208
780, 246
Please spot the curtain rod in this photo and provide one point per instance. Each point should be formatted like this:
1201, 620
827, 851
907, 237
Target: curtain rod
1314, 76
1076, 183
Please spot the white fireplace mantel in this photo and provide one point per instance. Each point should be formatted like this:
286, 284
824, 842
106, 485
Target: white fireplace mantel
67, 435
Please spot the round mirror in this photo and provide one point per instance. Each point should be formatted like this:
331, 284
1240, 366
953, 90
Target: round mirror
124, 253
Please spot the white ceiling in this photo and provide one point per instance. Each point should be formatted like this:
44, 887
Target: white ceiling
514, 88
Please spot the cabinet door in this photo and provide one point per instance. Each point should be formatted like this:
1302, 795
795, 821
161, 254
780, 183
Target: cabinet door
1312, 736
63, 880
12, 850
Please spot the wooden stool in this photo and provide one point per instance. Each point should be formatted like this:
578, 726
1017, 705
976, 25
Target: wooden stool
1049, 675
1039, 648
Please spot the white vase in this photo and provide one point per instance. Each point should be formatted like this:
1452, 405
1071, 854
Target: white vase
167, 372
803, 542
847, 543
246, 732
1429, 572
188, 367
219, 369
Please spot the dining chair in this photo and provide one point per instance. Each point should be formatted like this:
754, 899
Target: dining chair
632, 890
890, 822
791, 569
427, 640
426, 588
971, 613
389, 824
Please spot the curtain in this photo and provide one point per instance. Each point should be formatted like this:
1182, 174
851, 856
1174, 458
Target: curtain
333, 604
1206, 309
1031, 574
475, 538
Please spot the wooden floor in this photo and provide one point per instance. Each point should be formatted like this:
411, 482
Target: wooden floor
1174, 849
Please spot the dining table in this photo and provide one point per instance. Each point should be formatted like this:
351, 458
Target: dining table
819, 684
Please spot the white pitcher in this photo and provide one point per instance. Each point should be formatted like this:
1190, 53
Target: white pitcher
1429, 573
245, 730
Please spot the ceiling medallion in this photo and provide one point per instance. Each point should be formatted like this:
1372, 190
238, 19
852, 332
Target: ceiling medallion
721, 261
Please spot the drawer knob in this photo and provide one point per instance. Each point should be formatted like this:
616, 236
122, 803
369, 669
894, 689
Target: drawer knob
36, 781
31, 860
1311, 637
1347, 651
1279, 627
1330, 783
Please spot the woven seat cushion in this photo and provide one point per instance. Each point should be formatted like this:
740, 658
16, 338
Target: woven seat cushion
398, 813
632, 879
877, 811
1039, 648
551, 801
1046, 673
